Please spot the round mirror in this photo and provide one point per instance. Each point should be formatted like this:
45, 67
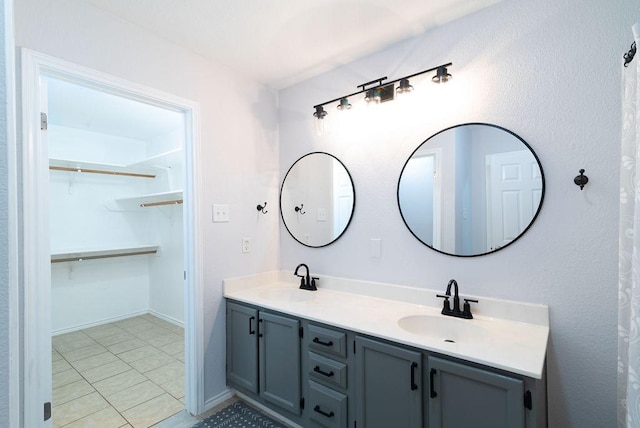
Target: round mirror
317, 199
471, 189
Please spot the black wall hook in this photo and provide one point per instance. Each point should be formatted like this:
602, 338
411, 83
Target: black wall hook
299, 209
628, 57
261, 208
581, 179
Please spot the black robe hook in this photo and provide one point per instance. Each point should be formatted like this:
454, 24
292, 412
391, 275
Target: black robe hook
299, 209
261, 208
581, 179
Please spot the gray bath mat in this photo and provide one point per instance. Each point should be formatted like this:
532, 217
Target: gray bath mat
238, 415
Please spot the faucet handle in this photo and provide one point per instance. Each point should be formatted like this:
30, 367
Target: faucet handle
466, 308
313, 282
446, 306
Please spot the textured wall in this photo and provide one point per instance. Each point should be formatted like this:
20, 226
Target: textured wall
547, 70
4, 235
239, 147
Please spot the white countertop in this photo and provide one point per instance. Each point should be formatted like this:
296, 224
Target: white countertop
503, 334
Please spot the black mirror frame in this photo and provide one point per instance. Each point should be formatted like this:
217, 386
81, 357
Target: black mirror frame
533, 219
353, 207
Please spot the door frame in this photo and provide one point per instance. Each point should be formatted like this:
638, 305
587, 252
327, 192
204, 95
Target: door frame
36, 302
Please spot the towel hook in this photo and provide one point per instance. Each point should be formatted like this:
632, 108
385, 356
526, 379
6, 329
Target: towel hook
261, 208
299, 209
581, 179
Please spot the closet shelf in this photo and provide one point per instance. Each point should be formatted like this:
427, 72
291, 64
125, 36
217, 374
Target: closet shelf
100, 168
144, 168
173, 197
80, 255
161, 160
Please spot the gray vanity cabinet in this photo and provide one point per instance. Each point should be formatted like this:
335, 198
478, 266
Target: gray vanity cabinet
327, 377
242, 346
464, 396
388, 385
263, 355
279, 346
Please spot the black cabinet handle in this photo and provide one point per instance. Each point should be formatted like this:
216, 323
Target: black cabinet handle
414, 366
251, 330
432, 374
317, 369
259, 324
317, 409
320, 342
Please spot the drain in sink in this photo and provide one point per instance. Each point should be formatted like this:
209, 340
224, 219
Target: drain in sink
449, 340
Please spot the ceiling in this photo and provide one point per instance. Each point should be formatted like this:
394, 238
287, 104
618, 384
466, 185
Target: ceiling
76, 106
281, 42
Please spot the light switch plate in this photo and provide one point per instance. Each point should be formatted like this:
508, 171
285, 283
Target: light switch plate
220, 213
375, 248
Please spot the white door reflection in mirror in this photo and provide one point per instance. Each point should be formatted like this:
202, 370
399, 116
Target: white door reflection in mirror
514, 190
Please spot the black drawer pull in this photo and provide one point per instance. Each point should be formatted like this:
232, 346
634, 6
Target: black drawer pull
259, 324
432, 374
414, 366
317, 369
317, 409
251, 330
320, 342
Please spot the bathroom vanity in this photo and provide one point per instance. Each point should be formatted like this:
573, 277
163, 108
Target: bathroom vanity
363, 354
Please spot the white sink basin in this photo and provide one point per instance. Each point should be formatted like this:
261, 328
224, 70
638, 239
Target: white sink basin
447, 328
288, 294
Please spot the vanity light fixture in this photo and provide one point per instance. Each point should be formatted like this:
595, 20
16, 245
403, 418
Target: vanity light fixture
404, 86
378, 92
320, 113
344, 104
372, 95
442, 76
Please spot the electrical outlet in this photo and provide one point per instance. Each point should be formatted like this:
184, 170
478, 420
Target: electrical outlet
220, 213
322, 214
246, 245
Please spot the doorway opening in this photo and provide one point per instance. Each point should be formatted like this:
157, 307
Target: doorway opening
112, 263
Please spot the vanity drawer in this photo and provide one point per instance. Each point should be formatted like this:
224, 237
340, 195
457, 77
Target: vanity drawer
327, 408
328, 370
329, 341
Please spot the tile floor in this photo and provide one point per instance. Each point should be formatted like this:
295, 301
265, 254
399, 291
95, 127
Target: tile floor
128, 373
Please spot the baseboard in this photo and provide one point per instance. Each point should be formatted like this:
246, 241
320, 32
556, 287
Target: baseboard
167, 318
97, 323
278, 417
114, 319
218, 399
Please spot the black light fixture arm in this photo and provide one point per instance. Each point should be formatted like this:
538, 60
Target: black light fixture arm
380, 84
378, 81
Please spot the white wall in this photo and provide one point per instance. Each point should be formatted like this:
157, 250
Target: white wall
5, 149
547, 70
239, 138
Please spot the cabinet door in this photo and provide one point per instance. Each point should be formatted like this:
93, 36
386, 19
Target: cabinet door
280, 361
464, 396
242, 346
388, 385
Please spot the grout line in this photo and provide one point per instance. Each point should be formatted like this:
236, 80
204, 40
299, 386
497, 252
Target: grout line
159, 324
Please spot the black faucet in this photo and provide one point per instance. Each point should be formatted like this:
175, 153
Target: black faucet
307, 282
455, 312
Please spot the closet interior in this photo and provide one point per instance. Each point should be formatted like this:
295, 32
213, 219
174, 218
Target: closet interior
116, 207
